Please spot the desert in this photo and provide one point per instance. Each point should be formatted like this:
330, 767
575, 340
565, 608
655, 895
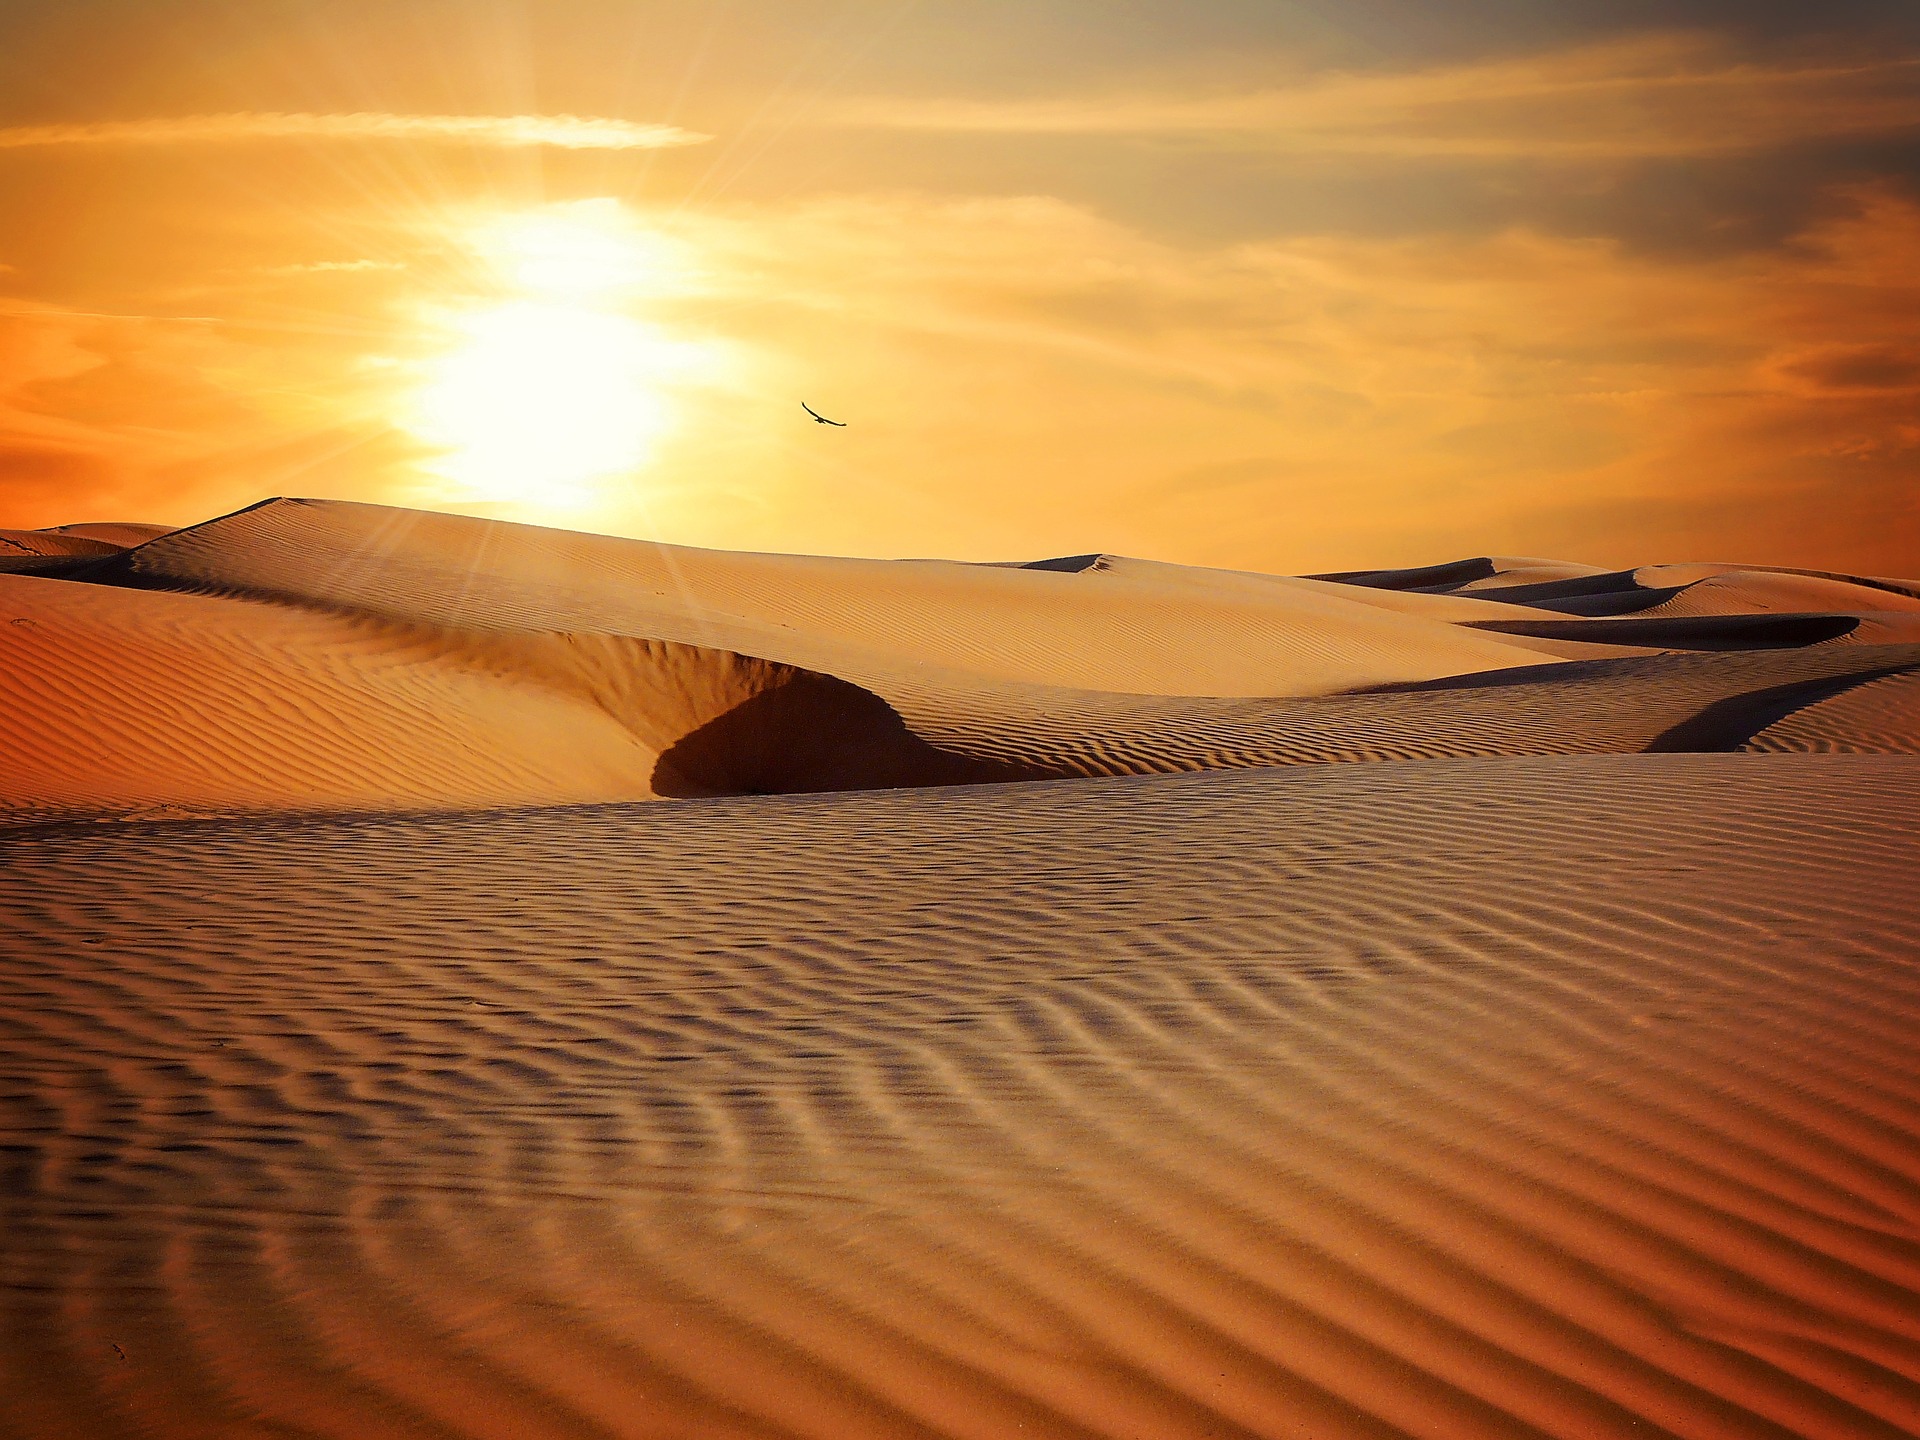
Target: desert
939, 720
469, 978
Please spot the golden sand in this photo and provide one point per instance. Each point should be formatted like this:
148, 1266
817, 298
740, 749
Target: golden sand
465, 979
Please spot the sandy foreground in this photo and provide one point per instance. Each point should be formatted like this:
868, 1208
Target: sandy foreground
466, 979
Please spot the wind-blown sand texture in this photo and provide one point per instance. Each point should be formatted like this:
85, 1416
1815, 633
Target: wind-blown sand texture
433, 1003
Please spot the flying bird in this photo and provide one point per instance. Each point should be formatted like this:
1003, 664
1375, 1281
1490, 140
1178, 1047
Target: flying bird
819, 418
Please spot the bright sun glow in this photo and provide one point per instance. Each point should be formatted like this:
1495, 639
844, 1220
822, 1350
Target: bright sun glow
556, 388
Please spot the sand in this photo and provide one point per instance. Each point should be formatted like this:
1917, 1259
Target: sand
462, 979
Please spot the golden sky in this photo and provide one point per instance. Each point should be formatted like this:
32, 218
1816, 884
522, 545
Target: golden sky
1281, 286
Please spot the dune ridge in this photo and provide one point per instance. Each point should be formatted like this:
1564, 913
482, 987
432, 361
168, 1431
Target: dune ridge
71, 541
1876, 715
206, 703
1143, 628
320, 655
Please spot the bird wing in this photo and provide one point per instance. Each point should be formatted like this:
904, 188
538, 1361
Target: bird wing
821, 418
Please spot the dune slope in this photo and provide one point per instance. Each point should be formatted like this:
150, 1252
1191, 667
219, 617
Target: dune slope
133, 700
1141, 628
318, 655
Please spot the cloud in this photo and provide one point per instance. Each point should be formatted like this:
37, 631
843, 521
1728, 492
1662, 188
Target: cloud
1663, 95
330, 267
567, 132
1029, 376
107, 414
1860, 367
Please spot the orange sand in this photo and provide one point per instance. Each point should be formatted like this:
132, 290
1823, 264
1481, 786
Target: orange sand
375, 1066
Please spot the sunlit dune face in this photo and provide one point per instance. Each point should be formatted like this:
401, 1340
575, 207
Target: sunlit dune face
555, 389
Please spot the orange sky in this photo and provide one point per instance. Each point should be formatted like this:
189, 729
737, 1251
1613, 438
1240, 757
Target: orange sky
1280, 286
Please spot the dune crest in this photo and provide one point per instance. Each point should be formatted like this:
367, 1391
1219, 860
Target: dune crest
352, 655
1140, 627
132, 700
316, 655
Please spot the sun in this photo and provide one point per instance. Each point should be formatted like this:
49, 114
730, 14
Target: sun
541, 402
556, 384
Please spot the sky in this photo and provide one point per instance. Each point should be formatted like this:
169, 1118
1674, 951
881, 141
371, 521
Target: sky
1281, 285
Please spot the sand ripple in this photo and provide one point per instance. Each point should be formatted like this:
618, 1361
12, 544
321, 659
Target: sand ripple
1568, 1097
325, 656
372, 1066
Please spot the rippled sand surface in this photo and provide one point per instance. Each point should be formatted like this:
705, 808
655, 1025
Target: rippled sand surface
1569, 1096
465, 980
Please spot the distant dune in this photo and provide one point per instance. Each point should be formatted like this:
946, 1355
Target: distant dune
450, 987
322, 655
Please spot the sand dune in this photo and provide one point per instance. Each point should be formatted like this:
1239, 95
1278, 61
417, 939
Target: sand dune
1468, 576
1141, 628
1663, 590
310, 655
51, 543
1660, 703
1880, 715
138, 700
57, 550
1569, 1097
70, 540
124, 534
374, 1067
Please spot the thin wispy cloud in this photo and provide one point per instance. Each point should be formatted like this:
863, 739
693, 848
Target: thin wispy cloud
330, 267
567, 132
1663, 95
1551, 392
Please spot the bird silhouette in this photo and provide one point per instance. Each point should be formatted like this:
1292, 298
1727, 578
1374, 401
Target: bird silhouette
819, 418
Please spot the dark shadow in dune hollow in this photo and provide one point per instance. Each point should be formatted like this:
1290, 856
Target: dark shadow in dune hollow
1728, 724
1422, 577
1688, 632
814, 733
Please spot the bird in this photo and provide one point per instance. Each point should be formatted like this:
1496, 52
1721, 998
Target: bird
819, 418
